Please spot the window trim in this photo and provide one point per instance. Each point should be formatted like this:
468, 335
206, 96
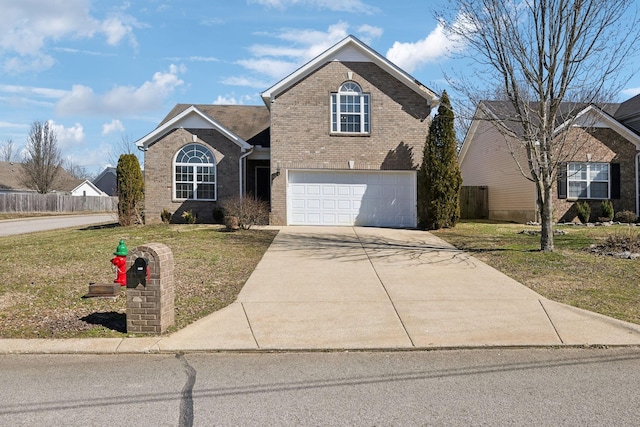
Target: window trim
194, 172
588, 180
349, 88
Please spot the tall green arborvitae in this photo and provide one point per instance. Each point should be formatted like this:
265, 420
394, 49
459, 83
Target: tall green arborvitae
439, 178
130, 189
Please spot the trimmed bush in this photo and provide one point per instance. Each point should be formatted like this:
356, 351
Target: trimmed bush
626, 217
189, 217
165, 216
606, 208
584, 212
130, 188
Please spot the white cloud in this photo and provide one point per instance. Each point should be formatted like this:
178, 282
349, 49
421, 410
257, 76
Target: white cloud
68, 137
435, 47
114, 126
246, 81
27, 27
122, 99
194, 59
13, 125
354, 6
33, 91
631, 92
232, 100
297, 47
368, 33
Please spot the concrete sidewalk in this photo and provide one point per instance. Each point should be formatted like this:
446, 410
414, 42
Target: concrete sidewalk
320, 288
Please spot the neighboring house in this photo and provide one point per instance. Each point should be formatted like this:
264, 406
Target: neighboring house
11, 175
87, 188
599, 163
107, 181
337, 143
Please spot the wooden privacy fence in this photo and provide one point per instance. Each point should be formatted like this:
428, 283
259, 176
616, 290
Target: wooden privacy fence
474, 202
34, 202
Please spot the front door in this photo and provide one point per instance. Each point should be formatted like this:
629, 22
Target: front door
263, 183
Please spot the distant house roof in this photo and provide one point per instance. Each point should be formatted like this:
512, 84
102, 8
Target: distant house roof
87, 188
581, 114
107, 181
11, 179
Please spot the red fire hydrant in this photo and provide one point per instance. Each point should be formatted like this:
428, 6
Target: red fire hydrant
120, 262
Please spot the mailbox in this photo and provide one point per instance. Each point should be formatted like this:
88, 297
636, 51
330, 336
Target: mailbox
138, 274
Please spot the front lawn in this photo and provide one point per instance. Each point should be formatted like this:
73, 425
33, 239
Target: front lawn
43, 276
571, 274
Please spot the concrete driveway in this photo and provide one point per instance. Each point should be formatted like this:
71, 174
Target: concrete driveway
371, 288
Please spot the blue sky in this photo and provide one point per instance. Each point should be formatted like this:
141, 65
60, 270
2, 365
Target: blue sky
104, 71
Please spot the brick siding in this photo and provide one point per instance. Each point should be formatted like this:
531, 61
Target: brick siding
158, 164
607, 146
301, 122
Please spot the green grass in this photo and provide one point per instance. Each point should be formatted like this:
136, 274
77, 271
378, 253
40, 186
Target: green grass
44, 276
571, 274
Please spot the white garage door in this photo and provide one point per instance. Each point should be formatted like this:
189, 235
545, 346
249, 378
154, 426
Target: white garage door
381, 198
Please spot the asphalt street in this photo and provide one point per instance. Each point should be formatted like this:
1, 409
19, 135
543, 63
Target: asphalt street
542, 387
32, 225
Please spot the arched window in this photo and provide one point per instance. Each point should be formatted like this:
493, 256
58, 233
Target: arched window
350, 109
194, 173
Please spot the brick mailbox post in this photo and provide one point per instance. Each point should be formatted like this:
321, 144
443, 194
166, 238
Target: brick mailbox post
150, 289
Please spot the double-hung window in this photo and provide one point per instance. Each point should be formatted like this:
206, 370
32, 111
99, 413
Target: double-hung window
350, 110
588, 180
195, 173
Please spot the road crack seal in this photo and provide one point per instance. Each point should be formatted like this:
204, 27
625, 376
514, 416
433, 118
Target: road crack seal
186, 400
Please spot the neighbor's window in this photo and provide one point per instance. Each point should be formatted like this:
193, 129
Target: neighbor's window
195, 173
350, 109
588, 180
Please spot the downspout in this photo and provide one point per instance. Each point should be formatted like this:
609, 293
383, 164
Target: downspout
637, 195
240, 167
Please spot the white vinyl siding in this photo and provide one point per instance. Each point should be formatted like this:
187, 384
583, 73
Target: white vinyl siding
490, 163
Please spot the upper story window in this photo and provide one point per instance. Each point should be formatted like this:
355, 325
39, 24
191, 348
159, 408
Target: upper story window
194, 173
350, 110
588, 180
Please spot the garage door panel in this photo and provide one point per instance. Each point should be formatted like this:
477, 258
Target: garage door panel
372, 198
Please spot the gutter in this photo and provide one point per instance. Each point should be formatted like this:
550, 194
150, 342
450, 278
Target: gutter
637, 195
240, 168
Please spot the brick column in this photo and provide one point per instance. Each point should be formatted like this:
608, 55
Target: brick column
150, 289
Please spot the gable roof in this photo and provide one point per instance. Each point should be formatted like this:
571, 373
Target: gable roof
11, 179
186, 115
348, 49
246, 121
90, 185
585, 115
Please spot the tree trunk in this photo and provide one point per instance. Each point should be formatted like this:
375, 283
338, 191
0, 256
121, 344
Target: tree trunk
546, 219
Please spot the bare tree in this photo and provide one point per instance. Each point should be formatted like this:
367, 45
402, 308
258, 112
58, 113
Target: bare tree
8, 151
42, 161
77, 171
545, 54
124, 146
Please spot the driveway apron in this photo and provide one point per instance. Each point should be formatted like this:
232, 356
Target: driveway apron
373, 288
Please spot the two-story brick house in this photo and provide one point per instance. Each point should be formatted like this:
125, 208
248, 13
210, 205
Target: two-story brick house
337, 143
